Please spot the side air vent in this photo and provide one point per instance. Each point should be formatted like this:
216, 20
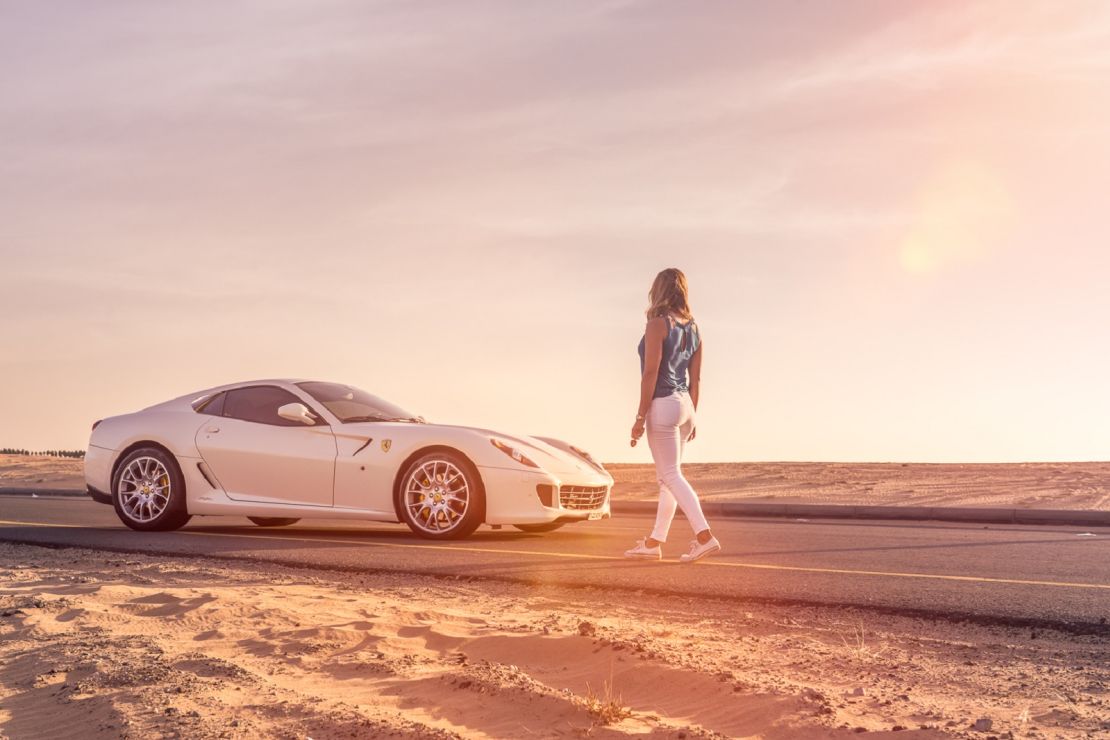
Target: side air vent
546, 493
208, 475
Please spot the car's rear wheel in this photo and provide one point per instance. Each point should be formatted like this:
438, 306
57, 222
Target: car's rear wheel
545, 527
441, 496
148, 491
272, 521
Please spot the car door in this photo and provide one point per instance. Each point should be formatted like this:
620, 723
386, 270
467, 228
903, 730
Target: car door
258, 456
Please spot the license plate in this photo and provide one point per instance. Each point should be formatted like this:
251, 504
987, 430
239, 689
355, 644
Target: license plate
594, 516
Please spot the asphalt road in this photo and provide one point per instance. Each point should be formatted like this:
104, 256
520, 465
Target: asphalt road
1022, 575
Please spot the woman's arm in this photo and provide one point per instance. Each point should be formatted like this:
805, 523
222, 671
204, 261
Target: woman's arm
653, 354
695, 385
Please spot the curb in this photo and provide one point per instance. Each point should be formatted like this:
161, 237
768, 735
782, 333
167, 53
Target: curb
1081, 518
43, 492
730, 509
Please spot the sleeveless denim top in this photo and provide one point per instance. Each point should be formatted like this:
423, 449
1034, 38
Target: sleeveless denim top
679, 345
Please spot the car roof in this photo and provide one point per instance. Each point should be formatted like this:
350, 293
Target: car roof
191, 398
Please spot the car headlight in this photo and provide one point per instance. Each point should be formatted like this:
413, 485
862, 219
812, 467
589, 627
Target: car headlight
588, 458
513, 452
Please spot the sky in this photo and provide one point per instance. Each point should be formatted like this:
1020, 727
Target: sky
893, 216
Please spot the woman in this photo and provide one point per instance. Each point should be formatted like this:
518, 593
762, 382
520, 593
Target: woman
669, 351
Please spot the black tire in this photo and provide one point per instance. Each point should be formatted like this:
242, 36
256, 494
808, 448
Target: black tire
545, 527
174, 513
475, 511
272, 521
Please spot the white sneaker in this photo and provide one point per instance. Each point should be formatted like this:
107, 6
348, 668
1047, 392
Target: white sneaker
699, 551
642, 552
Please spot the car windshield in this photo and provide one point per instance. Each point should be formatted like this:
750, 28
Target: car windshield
352, 405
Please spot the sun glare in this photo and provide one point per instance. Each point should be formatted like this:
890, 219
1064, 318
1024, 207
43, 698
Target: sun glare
961, 215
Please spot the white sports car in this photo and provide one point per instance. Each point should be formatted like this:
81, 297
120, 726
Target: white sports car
277, 451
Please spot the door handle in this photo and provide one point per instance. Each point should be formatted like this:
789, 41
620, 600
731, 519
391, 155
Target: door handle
212, 430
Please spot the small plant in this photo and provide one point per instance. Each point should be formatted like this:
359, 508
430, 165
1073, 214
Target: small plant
857, 643
605, 707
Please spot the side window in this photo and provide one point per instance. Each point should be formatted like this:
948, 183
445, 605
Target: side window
260, 404
213, 406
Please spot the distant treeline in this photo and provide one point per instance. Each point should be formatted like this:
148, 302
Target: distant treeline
45, 453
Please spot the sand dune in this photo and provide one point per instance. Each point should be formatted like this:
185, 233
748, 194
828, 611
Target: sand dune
96, 645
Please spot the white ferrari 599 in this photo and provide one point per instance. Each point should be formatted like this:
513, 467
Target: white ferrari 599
277, 451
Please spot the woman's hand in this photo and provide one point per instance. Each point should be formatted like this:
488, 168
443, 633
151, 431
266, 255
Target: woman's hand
637, 430
693, 433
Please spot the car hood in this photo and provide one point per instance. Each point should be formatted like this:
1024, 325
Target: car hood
548, 456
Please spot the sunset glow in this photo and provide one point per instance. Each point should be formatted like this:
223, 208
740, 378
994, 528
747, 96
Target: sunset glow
960, 216
892, 215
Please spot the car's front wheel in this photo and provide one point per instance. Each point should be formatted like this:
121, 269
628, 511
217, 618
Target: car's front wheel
441, 497
272, 521
148, 491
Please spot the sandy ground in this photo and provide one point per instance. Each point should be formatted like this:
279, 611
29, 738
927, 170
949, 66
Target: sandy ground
101, 645
1030, 485
38, 471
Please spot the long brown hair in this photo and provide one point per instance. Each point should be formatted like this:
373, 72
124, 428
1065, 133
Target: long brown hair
669, 296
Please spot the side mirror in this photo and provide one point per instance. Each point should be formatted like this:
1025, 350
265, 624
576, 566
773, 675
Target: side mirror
297, 412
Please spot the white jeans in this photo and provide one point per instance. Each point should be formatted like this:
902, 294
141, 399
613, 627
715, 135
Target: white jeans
670, 420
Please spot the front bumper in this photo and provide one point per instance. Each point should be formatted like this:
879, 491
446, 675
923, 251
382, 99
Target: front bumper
512, 496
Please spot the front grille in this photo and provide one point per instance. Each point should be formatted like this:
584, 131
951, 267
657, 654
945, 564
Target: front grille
582, 497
